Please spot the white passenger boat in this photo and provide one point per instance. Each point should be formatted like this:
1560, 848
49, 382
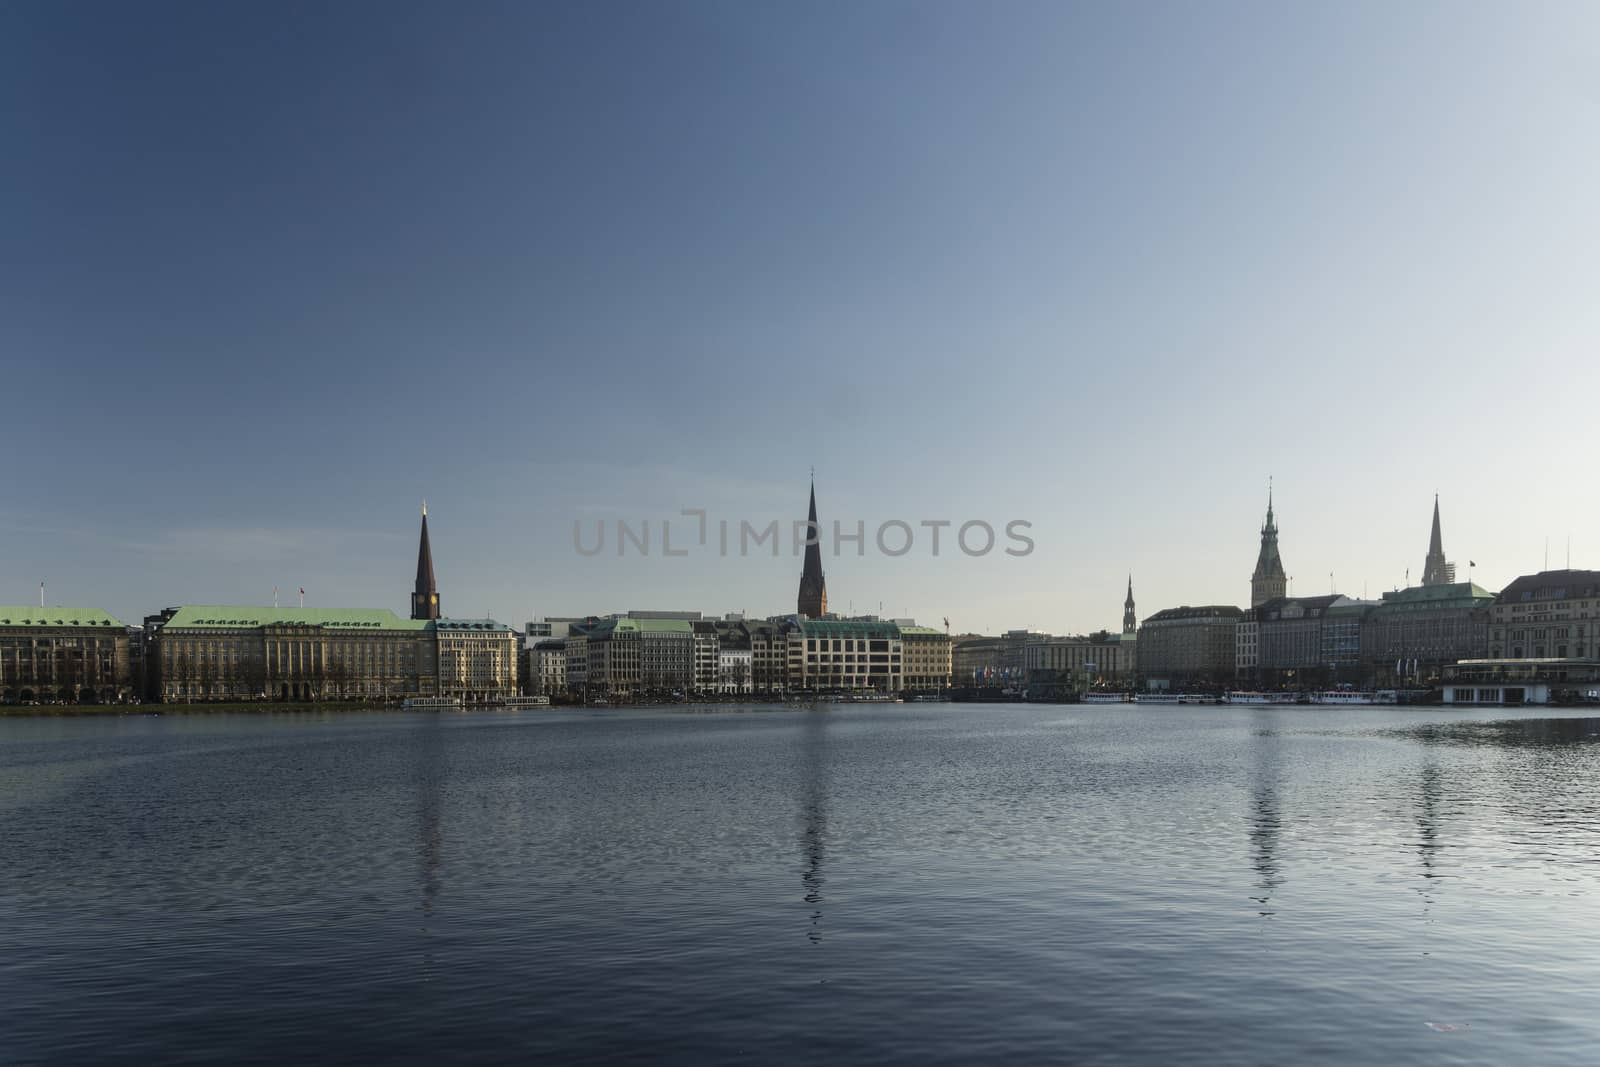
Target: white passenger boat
521, 703
1344, 696
1107, 698
1244, 697
1174, 698
432, 704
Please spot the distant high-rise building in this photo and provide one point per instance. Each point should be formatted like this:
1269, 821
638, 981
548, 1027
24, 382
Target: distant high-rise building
1269, 581
425, 598
1436, 570
813, 599
1130, 621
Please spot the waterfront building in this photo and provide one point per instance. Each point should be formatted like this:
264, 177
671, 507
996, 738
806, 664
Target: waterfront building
77, 655
1340, 635
233, 652
1247, 645
1521, 681
547, 668
666, 653
576, 648
769, 656
613, 654
1269, 580
1436, 570
1101, 658
627, 655
1186, 646
477, 659
1549, 615
813, 599
709, 640
1291, 641
975, 659
1412, 634
832, 655
735, 673
926, 659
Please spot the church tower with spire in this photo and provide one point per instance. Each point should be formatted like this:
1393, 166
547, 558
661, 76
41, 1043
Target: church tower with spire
1437, 570
1269, 581
813, 599
1130, 621
425, 598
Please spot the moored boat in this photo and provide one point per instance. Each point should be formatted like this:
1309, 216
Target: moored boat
432, 704
1344, 696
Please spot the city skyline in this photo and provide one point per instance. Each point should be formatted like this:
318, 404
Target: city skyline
276, 276
424, 598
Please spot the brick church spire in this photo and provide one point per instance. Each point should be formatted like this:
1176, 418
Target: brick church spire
813, 599
425, 598
1269, 581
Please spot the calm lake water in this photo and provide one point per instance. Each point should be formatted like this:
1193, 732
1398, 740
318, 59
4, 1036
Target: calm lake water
907, 884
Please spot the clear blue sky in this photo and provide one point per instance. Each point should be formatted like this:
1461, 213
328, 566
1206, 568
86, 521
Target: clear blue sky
271, 274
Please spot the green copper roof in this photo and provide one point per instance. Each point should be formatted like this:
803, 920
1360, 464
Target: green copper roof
34, 615
1434, 598
236, 617
919, 631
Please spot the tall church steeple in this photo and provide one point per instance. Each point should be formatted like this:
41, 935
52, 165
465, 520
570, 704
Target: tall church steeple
1437, 570
1268, 581
425, 598
813, 599
1130, 621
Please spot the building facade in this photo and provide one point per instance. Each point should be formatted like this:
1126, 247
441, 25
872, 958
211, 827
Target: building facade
1549, 615
827, 655
926, 659
547, 668
1185, 646
477, 659
233, 652
1098, 659
70, 655
1412, 634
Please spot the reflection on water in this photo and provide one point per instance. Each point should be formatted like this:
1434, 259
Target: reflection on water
430, 842
1265, 819
620, 887
1429, 795
1510, 733
813, 813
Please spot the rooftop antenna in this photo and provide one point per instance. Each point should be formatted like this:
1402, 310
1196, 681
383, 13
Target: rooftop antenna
41, 594
274, 596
